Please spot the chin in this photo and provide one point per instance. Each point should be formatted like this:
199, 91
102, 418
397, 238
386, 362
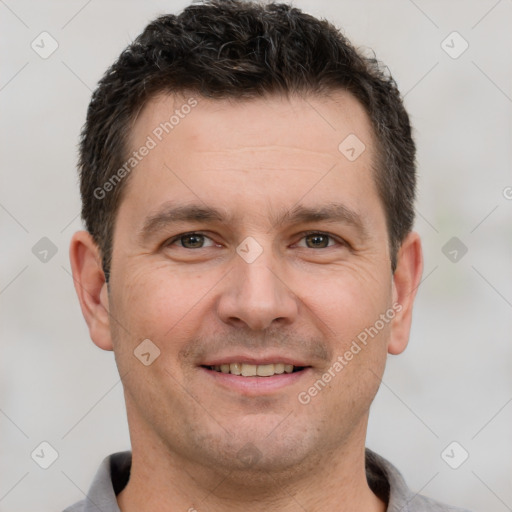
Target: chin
256, 446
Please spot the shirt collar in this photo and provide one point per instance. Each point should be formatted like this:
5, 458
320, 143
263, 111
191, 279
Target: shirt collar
384, 480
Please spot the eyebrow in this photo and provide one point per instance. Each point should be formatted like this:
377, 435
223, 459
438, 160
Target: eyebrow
330, 212
170, 214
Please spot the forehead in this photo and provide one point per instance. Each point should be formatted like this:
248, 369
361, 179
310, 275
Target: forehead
283, 127
269, 152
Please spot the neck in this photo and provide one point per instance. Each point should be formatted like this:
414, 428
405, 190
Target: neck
164, 481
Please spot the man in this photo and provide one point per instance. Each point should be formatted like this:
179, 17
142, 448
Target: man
248, 182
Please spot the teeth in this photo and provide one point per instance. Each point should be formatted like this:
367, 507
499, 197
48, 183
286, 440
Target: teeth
249, 370
235, 368
265, 370
253, 370
279, 368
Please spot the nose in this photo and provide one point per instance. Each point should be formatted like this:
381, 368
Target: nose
257, 295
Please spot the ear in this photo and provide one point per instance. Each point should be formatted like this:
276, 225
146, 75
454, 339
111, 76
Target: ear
91, 287
406, 280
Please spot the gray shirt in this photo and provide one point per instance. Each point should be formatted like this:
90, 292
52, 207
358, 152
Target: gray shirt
384, 480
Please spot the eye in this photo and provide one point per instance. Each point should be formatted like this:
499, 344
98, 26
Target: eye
317, 240
195, 240
190, 241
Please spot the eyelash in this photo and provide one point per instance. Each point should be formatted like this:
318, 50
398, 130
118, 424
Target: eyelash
176, 238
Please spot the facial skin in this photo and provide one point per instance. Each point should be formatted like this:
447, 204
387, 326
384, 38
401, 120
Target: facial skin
204, 440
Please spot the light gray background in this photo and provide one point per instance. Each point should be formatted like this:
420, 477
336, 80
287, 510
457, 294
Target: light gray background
454, 382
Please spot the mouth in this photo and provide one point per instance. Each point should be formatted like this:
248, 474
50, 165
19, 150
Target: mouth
255, 370
252, 377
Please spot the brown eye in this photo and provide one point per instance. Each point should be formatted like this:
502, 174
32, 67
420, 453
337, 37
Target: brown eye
317, 241
190, 241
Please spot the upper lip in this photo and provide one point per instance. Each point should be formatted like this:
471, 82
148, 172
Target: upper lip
251, 359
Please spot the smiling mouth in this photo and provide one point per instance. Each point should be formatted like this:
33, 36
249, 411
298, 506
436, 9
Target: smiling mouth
255, 370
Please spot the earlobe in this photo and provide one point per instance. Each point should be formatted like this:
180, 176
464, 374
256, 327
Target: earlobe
91, 288
406, 280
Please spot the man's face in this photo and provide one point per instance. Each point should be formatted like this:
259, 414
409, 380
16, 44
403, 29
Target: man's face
291, 268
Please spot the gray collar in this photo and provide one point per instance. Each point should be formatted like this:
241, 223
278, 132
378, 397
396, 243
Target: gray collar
384, 479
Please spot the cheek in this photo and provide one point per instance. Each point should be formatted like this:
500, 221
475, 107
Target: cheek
157, 302
348, 299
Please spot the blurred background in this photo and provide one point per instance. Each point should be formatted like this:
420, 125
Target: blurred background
443, 414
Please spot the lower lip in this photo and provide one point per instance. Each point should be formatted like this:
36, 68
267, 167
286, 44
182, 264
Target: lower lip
254, 386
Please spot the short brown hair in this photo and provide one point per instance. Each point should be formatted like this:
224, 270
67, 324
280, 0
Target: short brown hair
241, 49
